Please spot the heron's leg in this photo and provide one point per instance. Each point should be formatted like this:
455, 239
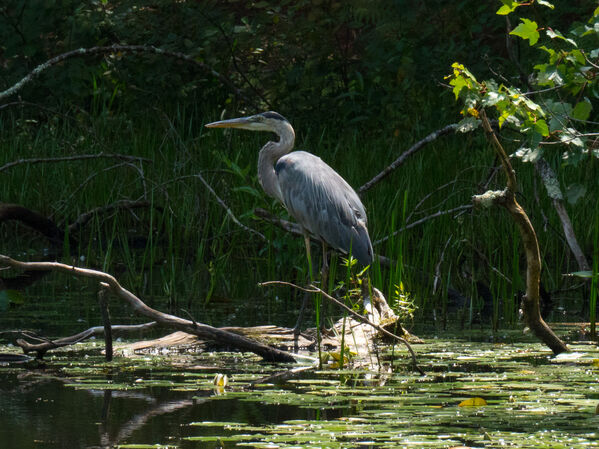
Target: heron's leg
300, 317
324, 272
307, 242
324, 281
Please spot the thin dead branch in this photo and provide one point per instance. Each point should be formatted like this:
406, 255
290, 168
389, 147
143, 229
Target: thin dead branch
402, 158
138, 49
118, 205
554, 192
43, 345
45, 160
438, 214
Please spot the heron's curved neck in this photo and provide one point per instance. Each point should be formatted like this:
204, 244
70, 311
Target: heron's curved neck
269, 155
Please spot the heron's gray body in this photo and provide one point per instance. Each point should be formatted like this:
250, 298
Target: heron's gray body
324, 204
321, 201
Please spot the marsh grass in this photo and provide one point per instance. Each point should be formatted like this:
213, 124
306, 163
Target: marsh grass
184, 252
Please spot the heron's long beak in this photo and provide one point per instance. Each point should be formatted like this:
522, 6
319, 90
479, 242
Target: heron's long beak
242, 122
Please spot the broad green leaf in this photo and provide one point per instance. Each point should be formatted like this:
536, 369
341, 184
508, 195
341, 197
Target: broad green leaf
492, 98
541, 127
582, 110
458, 84
508, 7
574, 192
569, 136
527, 30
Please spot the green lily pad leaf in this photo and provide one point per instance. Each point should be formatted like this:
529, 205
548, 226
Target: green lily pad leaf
574, 192
527, 30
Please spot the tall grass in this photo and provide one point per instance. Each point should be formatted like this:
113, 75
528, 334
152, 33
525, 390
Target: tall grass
184, 252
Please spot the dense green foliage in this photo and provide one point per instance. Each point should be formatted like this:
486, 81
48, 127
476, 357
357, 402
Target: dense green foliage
557, 107
360, 80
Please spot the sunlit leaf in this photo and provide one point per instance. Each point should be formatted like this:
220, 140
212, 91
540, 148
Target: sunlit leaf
541, 127
508, 7
585, 274
546, 3
527, 30
554, 34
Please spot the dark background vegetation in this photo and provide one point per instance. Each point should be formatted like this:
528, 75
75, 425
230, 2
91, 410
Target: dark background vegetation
360, 80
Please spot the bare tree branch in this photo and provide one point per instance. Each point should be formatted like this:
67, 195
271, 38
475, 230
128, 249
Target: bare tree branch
102, 155
507, 198
440, 213
120, 48
401, 159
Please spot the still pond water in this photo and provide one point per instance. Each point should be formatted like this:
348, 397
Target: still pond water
77, 400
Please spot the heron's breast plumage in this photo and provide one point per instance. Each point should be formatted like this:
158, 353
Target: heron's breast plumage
324, 204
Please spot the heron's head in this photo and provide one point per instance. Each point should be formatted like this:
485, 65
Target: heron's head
266, 121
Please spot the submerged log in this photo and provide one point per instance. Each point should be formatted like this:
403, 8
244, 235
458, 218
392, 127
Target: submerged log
355, 334
358, 335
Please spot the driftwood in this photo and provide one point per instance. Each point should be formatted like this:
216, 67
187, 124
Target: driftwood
163, 319
357, 334
269, 343
43, 345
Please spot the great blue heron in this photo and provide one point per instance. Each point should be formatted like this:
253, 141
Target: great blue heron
322, 202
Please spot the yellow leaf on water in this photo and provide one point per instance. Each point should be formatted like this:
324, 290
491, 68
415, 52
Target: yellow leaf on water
596, 363
472, 402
